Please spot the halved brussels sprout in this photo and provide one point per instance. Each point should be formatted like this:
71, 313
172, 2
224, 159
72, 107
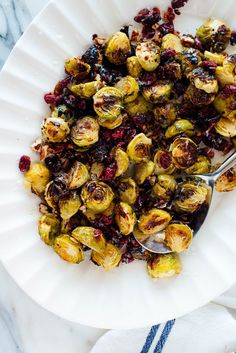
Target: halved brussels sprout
85, 132
109, 259
125, 218
133, 66
154, 221
201, 166
37, 177
148, 54
178, 237
171, 41
87, 89
227, 181
91, 237
163, 162
198, 96
165, 186
139, 106
218, 58
214, 35
55, 129
224, 105
49, 228
55, 190
96, 170
128, 191
226, 74
161, 266
78, 175
184, 152
139, 148
122, 161
111, 124
158, 93
190, 197
92, 216
226, 127
190, 59
165, 115
68, 249
143, 171
69, 206
129, 87
203, 80
108, 102
179, 127
77, 67
97, 196
118, 48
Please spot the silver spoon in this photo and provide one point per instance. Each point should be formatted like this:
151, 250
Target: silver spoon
153, 242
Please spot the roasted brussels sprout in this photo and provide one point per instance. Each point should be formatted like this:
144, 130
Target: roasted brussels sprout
37, 177
118, 48
109, 259
133, 66
138, 106
108, 102
125, 218
190, 196
178, 237
203, 80
48, 227
201, 166
226, 74
165, 115
122, 161
148, 54
165, 186
184, 152
139, 148
154, 221
91, 237
69, 206
214, 35
163, 162
143, 171
179, 127
55, 129
111, 124
78, 175
97, 196
227, 181
161, 266
87, 89
128, 191
226, 127
68, 249
158, 93
224, 105
86, 132
77, 67
218, 58
189, 60
96, 170
129, 88
171, 41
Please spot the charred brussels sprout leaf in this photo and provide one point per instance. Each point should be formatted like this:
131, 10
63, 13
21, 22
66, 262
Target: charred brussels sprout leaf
227, 181
161, 266
91, 237
48, 227
68, 249
109, 259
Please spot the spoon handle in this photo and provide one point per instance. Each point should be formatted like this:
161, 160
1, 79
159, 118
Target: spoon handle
227, 164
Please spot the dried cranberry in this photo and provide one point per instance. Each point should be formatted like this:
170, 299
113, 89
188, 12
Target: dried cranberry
61, 85
106, 220
148, 32
109, 172
147, 78
148, 16
216, 141
53, 163
165, 160
92, 56
206, 151
130, 134
177, 4
233, 38
118, 133
110, 76
50, 98
169, 15
166, 28
127, 258
209, 65
228, 90
198, 44
70, 100
99, 154
168, 54
24, 163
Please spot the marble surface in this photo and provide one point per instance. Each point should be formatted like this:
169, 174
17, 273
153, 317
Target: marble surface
24, 326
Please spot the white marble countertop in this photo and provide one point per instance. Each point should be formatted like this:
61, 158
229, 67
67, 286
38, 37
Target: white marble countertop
24, 326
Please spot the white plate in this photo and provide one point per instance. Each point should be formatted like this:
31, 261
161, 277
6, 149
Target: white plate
126, 297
